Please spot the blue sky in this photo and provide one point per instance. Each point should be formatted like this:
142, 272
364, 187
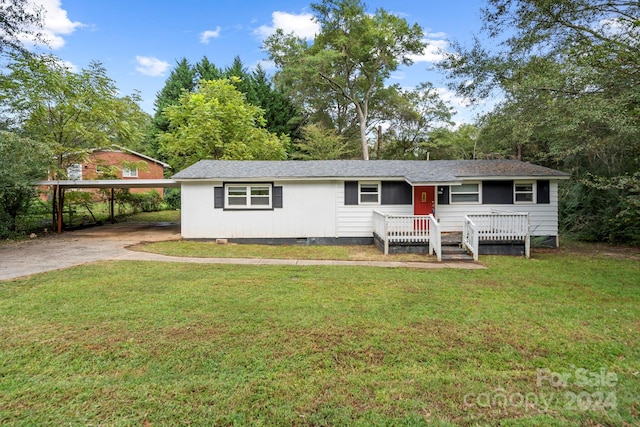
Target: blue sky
139, 41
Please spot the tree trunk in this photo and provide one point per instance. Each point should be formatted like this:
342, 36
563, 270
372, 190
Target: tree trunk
379, 142
54, 208
363, 133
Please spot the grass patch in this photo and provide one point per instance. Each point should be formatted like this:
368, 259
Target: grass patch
171, 215
121, 343
185, 248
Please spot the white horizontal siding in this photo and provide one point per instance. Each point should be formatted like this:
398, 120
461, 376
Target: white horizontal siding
357, 220
308, 211
543, 217
196, 214
317, 209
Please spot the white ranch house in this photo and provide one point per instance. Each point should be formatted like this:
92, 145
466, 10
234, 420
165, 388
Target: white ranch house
392, 202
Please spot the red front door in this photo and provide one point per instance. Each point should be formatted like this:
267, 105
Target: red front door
424, 200
424, 203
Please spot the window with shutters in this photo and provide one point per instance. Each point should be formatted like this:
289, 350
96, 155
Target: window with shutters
245, 196
369, 193
465, 193
524, 192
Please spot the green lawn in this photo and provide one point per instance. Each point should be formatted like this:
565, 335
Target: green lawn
332, 252
170, 215
549, 341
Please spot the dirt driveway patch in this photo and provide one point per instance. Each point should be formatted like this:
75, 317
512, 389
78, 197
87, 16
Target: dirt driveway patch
54, 252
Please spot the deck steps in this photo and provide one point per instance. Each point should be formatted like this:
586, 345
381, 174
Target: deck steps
452, 250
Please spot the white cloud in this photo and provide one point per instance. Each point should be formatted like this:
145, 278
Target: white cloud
56, 23
434, 52
438, 35
452, 98
624, 28
209, 34
302, 25
150, 66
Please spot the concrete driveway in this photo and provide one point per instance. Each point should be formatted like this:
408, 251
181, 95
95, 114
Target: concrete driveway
110, 242
54, 252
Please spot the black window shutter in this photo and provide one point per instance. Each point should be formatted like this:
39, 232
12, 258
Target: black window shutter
218, 197
277, 197
542, 192
396, 193
497, 192
351, 192
443, 194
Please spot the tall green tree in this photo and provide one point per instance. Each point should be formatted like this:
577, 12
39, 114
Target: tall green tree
182, 78
204, 70
68, 111
22, 161
414, 114
569, 72
282, 116
216, 122
460, 143
351, 57
320, 143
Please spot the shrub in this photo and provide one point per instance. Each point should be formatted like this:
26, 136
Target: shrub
172, 198
143, 202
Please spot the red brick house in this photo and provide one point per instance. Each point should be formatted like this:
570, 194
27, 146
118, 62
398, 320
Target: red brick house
129, 165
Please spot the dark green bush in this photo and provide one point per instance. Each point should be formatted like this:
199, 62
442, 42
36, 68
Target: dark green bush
601, 210
172, 198
143, 202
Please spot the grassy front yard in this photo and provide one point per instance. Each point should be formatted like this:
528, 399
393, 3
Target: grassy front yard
334, 252
549, 341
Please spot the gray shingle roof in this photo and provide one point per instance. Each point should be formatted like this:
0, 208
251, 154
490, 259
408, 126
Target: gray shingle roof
414, 171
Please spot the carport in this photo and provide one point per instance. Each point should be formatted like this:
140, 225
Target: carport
59, 185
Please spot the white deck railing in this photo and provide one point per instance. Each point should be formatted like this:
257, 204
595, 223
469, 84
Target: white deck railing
470, 237
421, 229
500, 226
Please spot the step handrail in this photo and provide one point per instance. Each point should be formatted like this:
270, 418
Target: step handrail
470, 237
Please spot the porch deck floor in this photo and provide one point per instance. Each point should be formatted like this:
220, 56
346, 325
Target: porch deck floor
450, 239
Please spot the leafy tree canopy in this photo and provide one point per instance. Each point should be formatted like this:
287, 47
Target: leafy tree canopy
569, 72
182, 78
281, 116
320, 143
22, 161
414, 115
67, 111
18, 19
217, 122
350, 58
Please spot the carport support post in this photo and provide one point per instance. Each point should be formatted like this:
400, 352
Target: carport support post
111, 210
59, 207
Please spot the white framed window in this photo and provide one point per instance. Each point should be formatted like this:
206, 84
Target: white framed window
524, 192
369, 192
74, 172
248, 196
465, 193
129, 172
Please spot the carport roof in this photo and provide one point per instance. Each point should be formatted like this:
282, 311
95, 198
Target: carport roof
413, 171
112, 183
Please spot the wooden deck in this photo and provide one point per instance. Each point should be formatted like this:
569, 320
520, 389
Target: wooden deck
504, 233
